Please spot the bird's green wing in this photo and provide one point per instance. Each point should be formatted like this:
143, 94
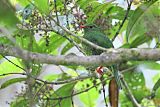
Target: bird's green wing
97, 38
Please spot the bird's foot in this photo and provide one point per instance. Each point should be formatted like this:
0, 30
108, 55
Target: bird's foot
102, 70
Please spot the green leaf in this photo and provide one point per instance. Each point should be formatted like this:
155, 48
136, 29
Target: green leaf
51, 77
20, 102
84, 3
136, 83
63, 76
4, 40
7, 15
99, 9
64, 91
158, 94
23, 2
117, 12
148, 64
55, 42
88, 98
72, 72
143, 21
126, 45
112, 31
155, 87
157, 98
93, 8
11, 81
66, 48
125, 101
43, 6
1, 57
139, 40
7, 67
25, 39
151, 65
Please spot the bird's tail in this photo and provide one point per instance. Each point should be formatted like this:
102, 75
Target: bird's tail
113, 93
114, 86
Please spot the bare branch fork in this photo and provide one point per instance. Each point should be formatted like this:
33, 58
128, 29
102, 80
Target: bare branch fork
110, 57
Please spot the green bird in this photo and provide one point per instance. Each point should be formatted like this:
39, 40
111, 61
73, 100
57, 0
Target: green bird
95, 35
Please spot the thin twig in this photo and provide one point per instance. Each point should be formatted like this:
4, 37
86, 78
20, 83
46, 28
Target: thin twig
66, 13
74, 43
104, 94
129, 93
65, 81
125, 18
128, 69
61, 69
12, 74
55, 6
69, 39
13, 63
79, 78
128, 2
58, 103
36, 94
72, 98
58, 23
86, 90
46, 82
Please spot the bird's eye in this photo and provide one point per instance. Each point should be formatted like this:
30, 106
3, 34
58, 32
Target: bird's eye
90, 26
26, 11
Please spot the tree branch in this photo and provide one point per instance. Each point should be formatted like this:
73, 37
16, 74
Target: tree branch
65, 81
80, 92
79, 78
110, 57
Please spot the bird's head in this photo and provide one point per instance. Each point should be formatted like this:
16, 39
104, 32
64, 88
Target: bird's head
89, 27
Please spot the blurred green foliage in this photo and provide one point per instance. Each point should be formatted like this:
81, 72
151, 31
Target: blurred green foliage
141, 26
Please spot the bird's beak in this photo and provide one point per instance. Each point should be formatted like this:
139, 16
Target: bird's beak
82, 26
